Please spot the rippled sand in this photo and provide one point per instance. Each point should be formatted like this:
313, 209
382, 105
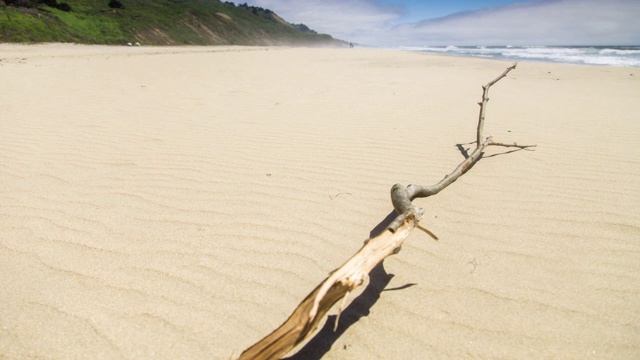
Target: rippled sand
178, 203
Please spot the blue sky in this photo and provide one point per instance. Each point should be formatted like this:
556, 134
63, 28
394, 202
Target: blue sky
467, 22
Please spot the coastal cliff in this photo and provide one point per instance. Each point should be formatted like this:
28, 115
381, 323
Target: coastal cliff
151, 22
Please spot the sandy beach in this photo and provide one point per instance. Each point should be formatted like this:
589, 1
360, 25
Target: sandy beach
179, 202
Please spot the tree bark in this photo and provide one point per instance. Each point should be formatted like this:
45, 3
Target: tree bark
306, 317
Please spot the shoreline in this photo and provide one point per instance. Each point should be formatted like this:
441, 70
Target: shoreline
533, 59
621, 56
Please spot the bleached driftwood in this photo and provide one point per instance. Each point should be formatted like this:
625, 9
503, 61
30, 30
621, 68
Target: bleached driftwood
306, 317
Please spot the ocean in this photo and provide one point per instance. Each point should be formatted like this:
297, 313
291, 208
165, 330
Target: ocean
582, 55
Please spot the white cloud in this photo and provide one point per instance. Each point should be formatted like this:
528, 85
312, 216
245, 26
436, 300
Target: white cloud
353, 20
545, 22
549, 22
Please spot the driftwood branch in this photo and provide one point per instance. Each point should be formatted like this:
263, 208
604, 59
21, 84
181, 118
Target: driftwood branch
306, 317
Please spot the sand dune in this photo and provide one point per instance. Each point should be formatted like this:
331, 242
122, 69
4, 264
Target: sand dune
178, 203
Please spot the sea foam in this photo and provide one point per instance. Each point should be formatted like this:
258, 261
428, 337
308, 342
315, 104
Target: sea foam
584, 55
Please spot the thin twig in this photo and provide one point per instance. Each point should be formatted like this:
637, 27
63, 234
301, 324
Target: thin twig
515, 145
485, 100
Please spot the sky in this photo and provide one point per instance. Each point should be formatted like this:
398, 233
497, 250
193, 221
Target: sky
391, 23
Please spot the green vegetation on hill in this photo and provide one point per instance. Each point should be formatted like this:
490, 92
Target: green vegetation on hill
150, 22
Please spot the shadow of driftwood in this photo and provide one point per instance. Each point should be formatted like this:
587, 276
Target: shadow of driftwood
383, 224
359, 308
463, 151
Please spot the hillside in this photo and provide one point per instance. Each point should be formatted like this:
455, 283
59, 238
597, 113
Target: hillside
150, 22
